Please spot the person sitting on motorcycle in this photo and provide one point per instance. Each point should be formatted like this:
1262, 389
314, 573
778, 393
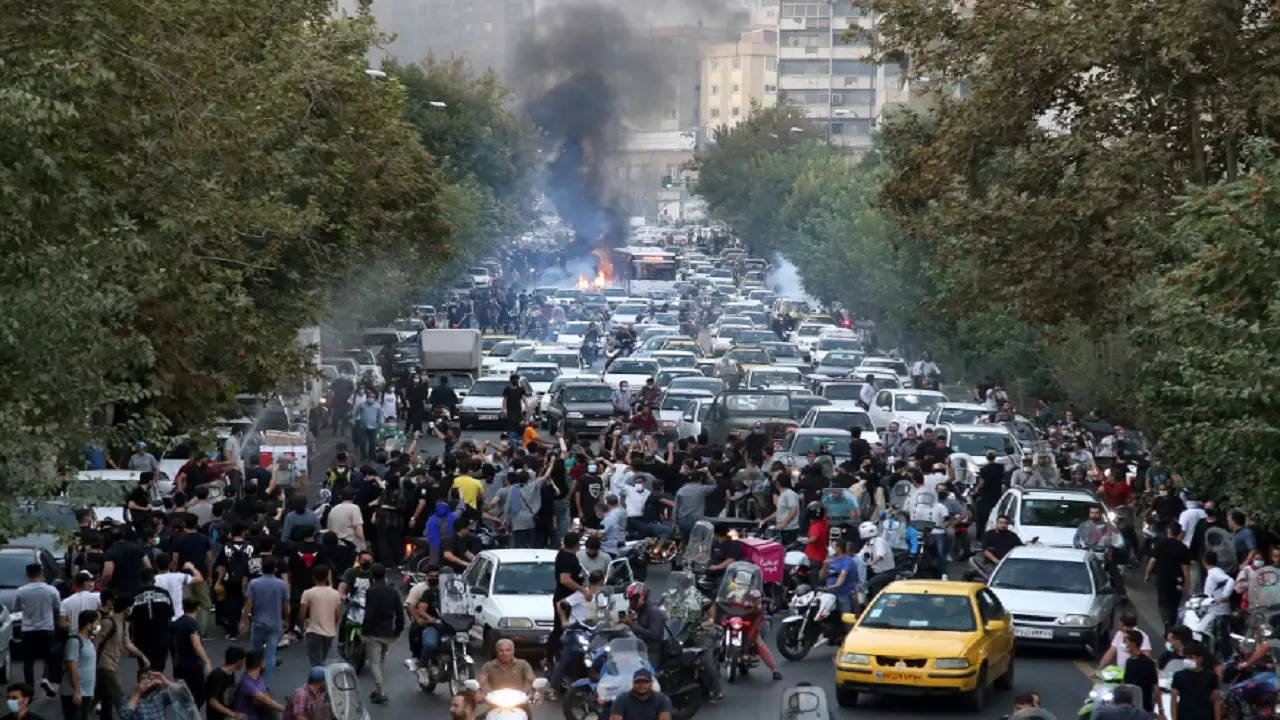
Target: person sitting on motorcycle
845, 576
425, 617
724, 552
645, 620
1265, 643
506, 670
685, 606
997, 543
815, 540
573, 610
443, 396
749, 606
878, 556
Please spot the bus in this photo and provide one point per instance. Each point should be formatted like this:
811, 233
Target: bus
644, 269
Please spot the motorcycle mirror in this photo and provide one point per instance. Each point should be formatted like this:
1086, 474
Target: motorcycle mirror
473, 685
539, 683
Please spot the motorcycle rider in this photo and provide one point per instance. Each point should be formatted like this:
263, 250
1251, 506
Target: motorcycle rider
685, 606
750, 608
724, 552
997, 543
443, 396
574, 609
1099, 536
817, 534
845, 575
645, 620
878, 557
924, 369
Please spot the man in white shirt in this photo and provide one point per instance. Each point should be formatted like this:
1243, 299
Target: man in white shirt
1117, 654
1188, 520
173, 582
939, 515
1218, 585
575, 608
867, 393
936, 477
81, 600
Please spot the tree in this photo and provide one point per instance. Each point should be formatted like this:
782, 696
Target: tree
182, 185
1061, 133
1212, 380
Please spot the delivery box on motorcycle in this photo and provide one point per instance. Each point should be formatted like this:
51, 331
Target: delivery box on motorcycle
767, 554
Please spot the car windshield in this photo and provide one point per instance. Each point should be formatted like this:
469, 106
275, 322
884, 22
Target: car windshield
568, 293
713, 385
588, 394
685, 361
753, 337
407, 325
807, 443
773, 377
633, 367
758, 356
487, 389
678, 402
842, 420
1063, 576
901, 611
13, 569
977, 443
379, 339
809, 330
729, 332
522, 354
564, 360
574, 328
782, 350
502, 349
897, 366
631, 309
614, 293
962, 416
916, 403
842, 358
839, 343
538, 374
757, 403
800, 404
840, 392
49, 517
1054, 513
527, 578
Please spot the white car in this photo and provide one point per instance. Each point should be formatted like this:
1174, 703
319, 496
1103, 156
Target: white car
843, 395
773, 376
566, 297
840, 418
1049, 515
408, 328
674, 404
480, 277
724, 337
627, 312
568, 360
507, 365
973, 442
635, 371
614, 295
906, 407
483, 403
829, 340
881, 378
690, 423
499, 353
807, 334
539, 375
1056, 595
572, 334
896, 366
785, 353
957, 413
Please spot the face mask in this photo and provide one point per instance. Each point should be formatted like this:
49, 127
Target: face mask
1168, 646
365, 565
13, 705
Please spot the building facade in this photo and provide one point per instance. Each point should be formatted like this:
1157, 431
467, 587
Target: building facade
735, 75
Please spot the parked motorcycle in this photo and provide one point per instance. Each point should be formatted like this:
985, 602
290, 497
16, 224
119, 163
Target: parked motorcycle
814, 616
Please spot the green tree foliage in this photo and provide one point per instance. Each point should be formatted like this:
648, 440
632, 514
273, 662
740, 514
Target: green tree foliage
1077, 125
1212, 380
182, 185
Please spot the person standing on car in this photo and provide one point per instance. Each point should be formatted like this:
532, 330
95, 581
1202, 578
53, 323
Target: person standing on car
989, 488
513, 396
383, 623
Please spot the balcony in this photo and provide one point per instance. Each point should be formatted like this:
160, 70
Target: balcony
804, 82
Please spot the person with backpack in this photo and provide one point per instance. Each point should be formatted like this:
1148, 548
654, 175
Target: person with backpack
340, 473
149, 618
231, 572
111, 639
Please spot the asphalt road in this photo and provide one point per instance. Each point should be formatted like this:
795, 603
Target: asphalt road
1058, 675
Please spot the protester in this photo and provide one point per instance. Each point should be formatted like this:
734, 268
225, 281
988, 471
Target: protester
39, 602
383, 623
319, 612
266, 615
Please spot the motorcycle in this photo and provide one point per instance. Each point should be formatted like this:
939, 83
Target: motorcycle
1102, 694
1194, 613
795, 571
814, 616
453, 664
351, 633
741, 589
612, 660
507, 703
682, 674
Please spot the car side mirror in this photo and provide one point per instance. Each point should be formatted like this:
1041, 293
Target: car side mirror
539, 683
997, 626
688, 417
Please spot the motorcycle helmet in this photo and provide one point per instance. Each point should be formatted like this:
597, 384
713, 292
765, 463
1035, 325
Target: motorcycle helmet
867, 530
639, 592
815, 511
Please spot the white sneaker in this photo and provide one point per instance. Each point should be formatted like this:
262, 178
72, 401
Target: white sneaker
50, 689
410, 664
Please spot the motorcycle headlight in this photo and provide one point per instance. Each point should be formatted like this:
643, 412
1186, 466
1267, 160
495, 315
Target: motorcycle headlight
854, 659
1111, 515
515, 623
573, 415
461, 637
951, 663
1075, 620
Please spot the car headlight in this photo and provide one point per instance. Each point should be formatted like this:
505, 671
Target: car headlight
1075, 620
951, 663
573, 415
668, 423
854, 659
515, 623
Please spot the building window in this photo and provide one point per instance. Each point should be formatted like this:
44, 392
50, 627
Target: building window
771, 64
669, 114
715, 89
488, 27
804, 67
736, 89
852, 67
715, 64
837, 128
715, 112
770, 88
735, 112
737, 63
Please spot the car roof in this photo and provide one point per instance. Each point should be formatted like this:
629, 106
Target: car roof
514, 555
537, 365
689, 392
1045, 552
838, 409
493, 380
961, 406
913, 391
584, 382
556, 350
10, 549
822, 431
1057, 494
990, 429
933, 587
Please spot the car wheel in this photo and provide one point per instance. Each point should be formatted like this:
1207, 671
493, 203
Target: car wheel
976, 699
1005, 681
846, 697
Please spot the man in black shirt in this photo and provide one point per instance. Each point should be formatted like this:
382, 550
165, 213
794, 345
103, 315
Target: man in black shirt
642, 703
858, 448
513, 406
990, 486
724, 552
569, 580
220, 685
150, 617
1171, 562
124, 563
1140, 670
997, 543
456, 548
587, 491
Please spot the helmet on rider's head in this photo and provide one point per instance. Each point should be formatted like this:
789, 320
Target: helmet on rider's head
639, 592
815, 510
867, 530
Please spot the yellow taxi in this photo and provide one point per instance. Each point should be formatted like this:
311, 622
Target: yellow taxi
927, 637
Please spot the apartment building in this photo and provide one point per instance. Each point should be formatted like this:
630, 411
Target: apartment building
735, 75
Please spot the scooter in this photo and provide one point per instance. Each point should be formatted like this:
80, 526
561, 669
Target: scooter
351, 634
452, 663
507, 703
1103, 691
1194, 613
814, 616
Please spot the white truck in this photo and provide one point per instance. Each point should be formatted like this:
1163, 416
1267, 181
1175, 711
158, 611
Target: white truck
451, 351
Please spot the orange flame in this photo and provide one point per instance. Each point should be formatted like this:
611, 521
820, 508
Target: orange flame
598, 283
604, 272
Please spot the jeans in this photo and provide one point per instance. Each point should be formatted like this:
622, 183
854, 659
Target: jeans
940, 548
648, 529
37, 645
562, 520
367, 441
430, 643
317, 646
265, 639
72, 711
844, 603
568, 651
375, 650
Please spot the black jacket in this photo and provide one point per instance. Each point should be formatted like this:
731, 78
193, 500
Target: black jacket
383, 616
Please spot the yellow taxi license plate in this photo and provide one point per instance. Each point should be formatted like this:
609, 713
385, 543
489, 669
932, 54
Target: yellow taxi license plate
898, 677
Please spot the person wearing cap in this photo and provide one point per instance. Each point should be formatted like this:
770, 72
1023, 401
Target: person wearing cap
641, 703
1121, 707
308, 701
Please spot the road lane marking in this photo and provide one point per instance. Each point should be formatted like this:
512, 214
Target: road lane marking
1085, 668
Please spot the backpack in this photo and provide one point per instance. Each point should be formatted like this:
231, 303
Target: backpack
339, 478
237, 555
